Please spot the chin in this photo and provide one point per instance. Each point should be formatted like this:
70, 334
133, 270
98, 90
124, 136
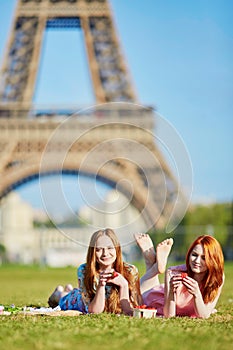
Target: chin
194, 269
106, 263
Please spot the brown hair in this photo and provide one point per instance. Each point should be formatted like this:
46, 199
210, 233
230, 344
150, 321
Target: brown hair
214, 259
112, 304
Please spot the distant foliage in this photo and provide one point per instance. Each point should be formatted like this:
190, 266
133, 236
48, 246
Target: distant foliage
2, 254
215, 219
219, 214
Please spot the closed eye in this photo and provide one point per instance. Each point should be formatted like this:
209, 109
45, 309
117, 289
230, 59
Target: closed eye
195, 255
98, 249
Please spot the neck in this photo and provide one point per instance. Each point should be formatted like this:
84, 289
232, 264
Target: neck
199, 277
105, 268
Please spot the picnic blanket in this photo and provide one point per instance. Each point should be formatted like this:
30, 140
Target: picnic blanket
31, 311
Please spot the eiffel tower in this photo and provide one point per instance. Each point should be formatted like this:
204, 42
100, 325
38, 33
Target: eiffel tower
150, 185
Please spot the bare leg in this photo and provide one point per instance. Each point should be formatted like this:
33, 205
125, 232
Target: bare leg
150, 279
145, 243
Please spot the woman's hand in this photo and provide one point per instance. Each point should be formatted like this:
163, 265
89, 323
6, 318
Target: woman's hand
119, 280
191, 285
113, 277
104, 277
175, 282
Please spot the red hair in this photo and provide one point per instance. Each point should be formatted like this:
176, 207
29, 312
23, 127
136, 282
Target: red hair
112, 304
214, 259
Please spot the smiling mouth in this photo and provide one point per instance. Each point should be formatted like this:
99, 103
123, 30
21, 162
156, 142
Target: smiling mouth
196, 266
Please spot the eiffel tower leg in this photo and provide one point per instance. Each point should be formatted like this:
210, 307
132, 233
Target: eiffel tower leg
21, 62
93, 64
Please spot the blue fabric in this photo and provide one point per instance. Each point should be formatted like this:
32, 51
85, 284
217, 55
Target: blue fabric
78, 298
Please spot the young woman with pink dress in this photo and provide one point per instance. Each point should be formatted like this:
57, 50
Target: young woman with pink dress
192, 289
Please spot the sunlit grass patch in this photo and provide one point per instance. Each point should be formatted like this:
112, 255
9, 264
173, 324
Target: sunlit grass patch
32, 285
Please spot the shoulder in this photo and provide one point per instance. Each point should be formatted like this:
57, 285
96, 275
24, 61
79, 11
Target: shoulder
181, 268
173, 270
81, 269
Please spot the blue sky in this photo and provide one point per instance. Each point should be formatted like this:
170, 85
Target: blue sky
180, 57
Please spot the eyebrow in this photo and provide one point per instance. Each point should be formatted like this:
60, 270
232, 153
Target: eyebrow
107, 246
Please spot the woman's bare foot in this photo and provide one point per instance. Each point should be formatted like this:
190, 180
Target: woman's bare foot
162, 252
54, 298
145, 243
68, 288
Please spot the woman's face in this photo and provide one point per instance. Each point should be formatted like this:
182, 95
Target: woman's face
197, 259
105, 252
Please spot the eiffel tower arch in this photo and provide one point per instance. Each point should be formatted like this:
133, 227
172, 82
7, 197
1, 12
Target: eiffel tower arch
118, 129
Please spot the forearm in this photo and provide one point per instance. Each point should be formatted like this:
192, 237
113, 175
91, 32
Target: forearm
169, 309
205, 310
97, 305
170, 305
124, 300
202, 310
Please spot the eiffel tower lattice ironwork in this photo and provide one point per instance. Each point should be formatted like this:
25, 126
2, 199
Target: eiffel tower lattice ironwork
24, 137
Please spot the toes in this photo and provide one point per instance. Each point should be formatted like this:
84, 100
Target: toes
137, 236
170, 241
140, 235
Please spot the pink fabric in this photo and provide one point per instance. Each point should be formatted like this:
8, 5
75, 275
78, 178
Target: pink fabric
185, 302
154, 297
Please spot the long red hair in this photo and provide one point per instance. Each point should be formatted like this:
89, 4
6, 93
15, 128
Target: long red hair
214, 259
112, 304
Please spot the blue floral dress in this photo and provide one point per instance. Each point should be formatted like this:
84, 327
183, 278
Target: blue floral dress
78, 298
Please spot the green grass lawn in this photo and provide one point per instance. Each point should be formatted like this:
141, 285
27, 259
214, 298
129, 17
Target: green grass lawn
32, 286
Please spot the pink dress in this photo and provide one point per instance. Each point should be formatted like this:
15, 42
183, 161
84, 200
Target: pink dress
184, 300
